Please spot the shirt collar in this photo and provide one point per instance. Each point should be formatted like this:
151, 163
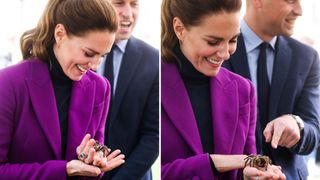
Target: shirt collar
122, 45
251, 39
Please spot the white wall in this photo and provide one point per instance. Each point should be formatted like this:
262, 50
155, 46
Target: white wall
17, 16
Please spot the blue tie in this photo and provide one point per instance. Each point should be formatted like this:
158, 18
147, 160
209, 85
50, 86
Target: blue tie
108, 73
108, 68
263, 85
263, 93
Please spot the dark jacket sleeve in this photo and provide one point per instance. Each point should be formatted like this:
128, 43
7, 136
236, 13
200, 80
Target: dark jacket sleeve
308, 107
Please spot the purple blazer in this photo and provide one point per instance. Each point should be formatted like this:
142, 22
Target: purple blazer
234, 119
30, 140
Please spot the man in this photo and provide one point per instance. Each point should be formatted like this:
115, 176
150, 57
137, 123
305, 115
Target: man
133, 119
287, 82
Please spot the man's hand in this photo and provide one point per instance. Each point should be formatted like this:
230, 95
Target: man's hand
282, 131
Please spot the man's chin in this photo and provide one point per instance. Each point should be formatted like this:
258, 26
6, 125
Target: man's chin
288, 33
123, 36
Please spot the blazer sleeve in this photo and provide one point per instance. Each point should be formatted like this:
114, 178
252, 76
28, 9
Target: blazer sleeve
195, 167
308, 107
147, 149
55, 169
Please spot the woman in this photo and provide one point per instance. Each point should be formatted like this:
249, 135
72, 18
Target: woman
206, 110
50, 101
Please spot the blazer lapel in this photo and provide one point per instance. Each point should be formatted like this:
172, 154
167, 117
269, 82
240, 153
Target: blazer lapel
128, 67
80, 111
225, 112
280, 72
180, 113
239, 61
44, 104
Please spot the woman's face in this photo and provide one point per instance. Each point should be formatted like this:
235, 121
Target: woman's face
209, 43
77, 55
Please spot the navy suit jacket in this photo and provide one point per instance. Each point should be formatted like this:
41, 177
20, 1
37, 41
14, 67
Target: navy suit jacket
294, 90
133, 125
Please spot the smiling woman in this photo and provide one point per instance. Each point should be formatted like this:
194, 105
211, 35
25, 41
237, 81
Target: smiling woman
207, 49
53, 100
77, 55
206, 110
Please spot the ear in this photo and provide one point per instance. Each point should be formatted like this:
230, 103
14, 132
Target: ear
179, 28
59, 33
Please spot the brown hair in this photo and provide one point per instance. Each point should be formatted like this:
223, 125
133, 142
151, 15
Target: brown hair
78, 18
190, 12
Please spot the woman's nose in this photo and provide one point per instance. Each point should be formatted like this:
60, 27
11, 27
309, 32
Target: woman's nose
95, 64
223, 52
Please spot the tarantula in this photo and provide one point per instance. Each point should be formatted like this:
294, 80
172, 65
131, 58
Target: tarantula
100, 147
257, 161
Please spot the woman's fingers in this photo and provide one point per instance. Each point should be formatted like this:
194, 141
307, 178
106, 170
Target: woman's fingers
117, 158
83, 143
251, 172
86, 152
99, 159
113, 154
113, 163
79, 168
278, 173
90, 157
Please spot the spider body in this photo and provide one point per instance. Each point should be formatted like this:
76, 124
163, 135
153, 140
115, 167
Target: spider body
99, 147
257, 161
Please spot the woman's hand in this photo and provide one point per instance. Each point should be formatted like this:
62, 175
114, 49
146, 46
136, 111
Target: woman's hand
91, 152
79, 168
114, 160
85, 150
101, 158
272, 172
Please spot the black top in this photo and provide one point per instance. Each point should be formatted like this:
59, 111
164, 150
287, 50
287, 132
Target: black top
62, 89
198, 87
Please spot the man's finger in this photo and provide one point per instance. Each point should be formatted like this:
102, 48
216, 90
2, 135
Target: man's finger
278, 130
292, 142
268, 132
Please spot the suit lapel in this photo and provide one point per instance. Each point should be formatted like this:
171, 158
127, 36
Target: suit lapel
225, 112
80, 112
180, 112
44, 104
239, 61
128, 67
281, 68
